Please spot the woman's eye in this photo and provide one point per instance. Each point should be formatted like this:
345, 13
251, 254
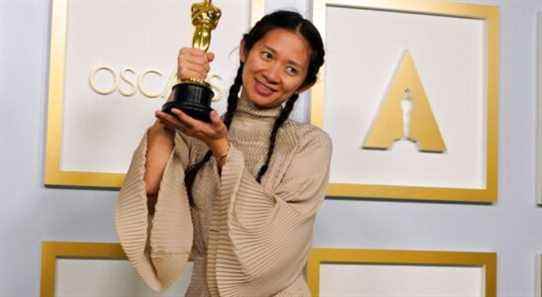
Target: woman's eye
291, 70
267, 55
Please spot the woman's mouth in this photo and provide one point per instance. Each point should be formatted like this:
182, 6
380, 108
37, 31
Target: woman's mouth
262, 89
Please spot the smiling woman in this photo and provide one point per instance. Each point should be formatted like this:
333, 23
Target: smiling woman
240, 193
276, 68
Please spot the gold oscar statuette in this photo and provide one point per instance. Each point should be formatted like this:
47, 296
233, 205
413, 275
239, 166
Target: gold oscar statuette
193, 96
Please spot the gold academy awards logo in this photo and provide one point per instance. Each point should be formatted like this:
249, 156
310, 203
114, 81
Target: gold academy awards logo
128, 82
104, 80
405, 114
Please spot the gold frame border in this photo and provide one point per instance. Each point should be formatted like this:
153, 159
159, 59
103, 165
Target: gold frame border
538, 275
54, 176
538, 145
51, 251
402, 257
490, 14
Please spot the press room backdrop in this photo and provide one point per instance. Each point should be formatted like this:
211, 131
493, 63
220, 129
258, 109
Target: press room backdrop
31, 213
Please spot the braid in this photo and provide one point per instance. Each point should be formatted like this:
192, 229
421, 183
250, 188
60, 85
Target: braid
234, 96
192, 171
283, 116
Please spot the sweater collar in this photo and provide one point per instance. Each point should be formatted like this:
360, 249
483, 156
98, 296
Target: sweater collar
247, 107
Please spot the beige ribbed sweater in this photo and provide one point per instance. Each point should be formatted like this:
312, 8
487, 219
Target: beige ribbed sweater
247, 239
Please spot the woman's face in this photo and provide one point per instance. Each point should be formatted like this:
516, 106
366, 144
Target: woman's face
275, 68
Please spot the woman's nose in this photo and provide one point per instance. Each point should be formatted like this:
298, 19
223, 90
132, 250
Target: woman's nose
272, 75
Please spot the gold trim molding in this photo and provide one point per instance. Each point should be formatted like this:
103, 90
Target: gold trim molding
490, 15
488, 261
51, 251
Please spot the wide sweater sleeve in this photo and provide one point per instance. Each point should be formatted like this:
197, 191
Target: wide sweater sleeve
265, 242
158, 247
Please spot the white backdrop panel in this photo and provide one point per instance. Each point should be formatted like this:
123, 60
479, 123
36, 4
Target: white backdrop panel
108, 278
400, 281
364, 49
99, 130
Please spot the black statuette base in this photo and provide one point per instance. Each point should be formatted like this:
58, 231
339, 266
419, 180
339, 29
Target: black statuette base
193, 99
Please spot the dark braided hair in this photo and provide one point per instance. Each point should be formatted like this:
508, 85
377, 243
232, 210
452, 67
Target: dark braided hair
281, 19
283, 116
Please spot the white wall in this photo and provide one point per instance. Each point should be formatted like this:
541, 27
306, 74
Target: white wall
31, 213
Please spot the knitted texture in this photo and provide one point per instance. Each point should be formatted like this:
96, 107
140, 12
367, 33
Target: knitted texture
246, 238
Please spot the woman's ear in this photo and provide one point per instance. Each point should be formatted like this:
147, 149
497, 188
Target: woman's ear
242, 53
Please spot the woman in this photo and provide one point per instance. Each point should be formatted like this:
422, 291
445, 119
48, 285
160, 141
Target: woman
239, 195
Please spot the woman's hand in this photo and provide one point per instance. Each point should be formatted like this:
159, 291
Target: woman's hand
214, 134
193, 63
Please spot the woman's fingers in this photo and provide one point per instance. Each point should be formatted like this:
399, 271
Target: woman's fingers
186, 119
196, 52
170, 121
210, 57
197, 66
194, 71
192, 52
191, 74
187, 71
193, 63
199, 129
